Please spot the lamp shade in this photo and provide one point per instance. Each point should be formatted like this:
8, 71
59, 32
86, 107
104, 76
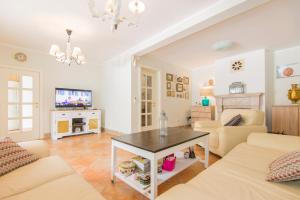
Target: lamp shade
54, 49
206, 91
76, 52
136, 6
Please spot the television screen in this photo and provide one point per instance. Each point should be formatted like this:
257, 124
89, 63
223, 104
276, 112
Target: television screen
73, 98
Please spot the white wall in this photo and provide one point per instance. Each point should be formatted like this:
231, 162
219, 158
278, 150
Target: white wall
282, 85
115, 85
257, 77
54, 75
253, 76
176, 109
200, 77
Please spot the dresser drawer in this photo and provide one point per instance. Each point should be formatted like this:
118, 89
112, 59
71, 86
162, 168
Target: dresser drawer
93, 114
201, 109
200, 119
201, 114
78, 114
62, 115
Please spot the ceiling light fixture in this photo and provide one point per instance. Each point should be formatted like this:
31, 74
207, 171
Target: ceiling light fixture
69, 56
222, 45
112, 12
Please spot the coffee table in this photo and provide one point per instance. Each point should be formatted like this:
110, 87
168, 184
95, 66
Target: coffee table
151, 145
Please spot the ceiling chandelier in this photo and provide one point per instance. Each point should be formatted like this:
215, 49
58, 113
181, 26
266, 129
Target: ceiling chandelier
112, 12
70, 56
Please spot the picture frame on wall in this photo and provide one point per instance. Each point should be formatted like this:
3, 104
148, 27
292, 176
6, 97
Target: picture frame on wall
169, 93
169, 77
179, 87
288, 70
173, 93
169, 86
179, 79
186, 80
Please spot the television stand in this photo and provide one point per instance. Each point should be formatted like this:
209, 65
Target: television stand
74, 122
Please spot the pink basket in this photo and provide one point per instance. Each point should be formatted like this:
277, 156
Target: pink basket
169, 165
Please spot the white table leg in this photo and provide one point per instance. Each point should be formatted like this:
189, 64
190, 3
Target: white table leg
206, 152
113, 161
153, 192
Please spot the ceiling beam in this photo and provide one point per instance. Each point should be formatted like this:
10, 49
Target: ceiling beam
212, 15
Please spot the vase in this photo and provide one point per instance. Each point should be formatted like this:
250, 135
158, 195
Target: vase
205, 101
294, 93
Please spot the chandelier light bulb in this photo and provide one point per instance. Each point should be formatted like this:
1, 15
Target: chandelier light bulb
136, 6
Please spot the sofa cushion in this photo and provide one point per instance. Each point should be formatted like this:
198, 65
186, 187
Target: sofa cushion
249, 116
71, 187
13, 156
285, 168
33, 175
241, 175
182, 191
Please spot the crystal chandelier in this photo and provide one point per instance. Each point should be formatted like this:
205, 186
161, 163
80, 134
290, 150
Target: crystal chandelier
112, 11
69, 56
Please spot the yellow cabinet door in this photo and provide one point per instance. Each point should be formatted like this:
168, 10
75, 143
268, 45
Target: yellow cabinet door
63, 126
93, 124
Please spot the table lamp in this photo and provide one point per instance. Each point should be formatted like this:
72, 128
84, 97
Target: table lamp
204, 93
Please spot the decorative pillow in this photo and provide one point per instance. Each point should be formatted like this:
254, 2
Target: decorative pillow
285, 168
235, 121
13, 156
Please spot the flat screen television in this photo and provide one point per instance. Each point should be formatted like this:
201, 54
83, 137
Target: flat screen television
72, 98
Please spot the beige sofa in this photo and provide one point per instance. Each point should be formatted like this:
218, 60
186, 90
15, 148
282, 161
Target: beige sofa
224, 138
241, 174
49, 178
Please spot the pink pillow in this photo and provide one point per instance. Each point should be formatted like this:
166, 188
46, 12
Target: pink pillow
285, 168
13, 156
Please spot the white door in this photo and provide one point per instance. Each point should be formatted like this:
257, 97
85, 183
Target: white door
19, 104
148, 99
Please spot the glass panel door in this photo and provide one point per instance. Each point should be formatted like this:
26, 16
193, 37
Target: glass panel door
146, 100
21, 104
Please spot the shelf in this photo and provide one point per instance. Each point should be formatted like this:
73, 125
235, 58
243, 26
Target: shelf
130, 180
181, 164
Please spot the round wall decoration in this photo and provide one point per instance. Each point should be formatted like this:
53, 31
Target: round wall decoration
20, 57
237, 65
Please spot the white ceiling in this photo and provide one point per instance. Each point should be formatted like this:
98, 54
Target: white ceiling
36, 24
274, 25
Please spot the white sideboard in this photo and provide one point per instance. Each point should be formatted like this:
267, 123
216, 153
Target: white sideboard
74, 122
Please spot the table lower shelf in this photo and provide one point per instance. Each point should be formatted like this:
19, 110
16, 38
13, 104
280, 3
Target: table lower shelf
181, 164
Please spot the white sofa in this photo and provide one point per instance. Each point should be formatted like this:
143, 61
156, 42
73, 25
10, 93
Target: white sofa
224, 138
240, 175
49, 178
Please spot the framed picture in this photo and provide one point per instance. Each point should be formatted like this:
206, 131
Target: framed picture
169, 86
169, 93
179, 87
187, 95
169, 77
179, 79
288, 70
173, 93
186, 80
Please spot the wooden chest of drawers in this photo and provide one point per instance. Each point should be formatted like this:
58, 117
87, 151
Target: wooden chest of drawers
286, 120
202, 113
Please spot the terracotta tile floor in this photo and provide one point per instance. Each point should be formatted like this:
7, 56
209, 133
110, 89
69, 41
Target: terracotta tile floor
90, 156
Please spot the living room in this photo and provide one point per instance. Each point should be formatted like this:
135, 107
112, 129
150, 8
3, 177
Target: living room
103, 90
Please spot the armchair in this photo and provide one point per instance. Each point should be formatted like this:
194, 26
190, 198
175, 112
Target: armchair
224, 138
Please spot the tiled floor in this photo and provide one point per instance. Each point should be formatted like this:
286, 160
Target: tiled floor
90, 156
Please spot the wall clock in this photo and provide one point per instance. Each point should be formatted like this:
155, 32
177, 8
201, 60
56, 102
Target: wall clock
237, 65
20, 57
